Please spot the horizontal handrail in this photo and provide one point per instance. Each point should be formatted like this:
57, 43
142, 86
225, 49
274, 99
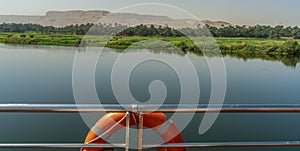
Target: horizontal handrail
73, 108
185, 145
60, 145
229, 144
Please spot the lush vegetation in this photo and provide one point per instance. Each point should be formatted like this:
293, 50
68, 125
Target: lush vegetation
232, 45
286, 51
259, 46
258, 31
92, 29
267, 39
40, 39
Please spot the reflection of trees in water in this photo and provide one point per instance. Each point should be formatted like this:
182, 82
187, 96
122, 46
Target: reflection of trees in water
158, 47
155, 46
290, 61
287, 60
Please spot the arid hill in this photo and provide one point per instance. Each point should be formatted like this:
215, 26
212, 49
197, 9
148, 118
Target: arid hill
18, 19
65, 18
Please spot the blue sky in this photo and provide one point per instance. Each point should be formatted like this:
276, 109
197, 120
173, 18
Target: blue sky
271, 12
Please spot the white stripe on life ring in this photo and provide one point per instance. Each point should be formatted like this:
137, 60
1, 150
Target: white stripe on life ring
99, 132
163, 128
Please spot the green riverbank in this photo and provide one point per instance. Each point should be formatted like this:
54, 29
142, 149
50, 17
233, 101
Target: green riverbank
226, 45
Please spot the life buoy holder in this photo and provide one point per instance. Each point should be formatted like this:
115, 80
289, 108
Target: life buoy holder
110, 123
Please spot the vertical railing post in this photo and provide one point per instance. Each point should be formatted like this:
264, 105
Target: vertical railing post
127, 131
140, 145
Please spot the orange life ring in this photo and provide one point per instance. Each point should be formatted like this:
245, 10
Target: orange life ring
168, 131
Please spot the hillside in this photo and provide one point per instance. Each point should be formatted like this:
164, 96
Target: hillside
65, 18
18, 19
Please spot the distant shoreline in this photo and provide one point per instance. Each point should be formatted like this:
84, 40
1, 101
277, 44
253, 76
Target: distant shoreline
226, 45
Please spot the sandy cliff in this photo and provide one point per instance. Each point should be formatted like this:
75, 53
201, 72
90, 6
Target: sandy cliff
65, 18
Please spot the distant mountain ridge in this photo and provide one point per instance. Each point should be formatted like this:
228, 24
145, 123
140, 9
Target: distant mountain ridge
18, 19
65, 18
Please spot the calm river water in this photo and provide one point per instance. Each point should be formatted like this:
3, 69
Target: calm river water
43, 74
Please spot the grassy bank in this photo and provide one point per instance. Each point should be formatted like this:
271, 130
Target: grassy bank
226, 45
258, 46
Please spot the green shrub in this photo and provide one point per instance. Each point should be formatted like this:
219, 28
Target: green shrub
290, 47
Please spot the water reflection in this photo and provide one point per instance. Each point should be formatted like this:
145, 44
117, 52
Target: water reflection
44, 75
287, 60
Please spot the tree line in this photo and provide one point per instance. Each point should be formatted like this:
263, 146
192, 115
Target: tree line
93, 29
258, 31
21, 28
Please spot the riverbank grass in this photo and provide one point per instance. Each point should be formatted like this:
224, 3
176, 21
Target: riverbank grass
226, 45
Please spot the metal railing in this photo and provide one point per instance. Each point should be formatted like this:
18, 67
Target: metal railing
75, 108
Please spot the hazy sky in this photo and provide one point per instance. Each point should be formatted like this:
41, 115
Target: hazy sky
272, 12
